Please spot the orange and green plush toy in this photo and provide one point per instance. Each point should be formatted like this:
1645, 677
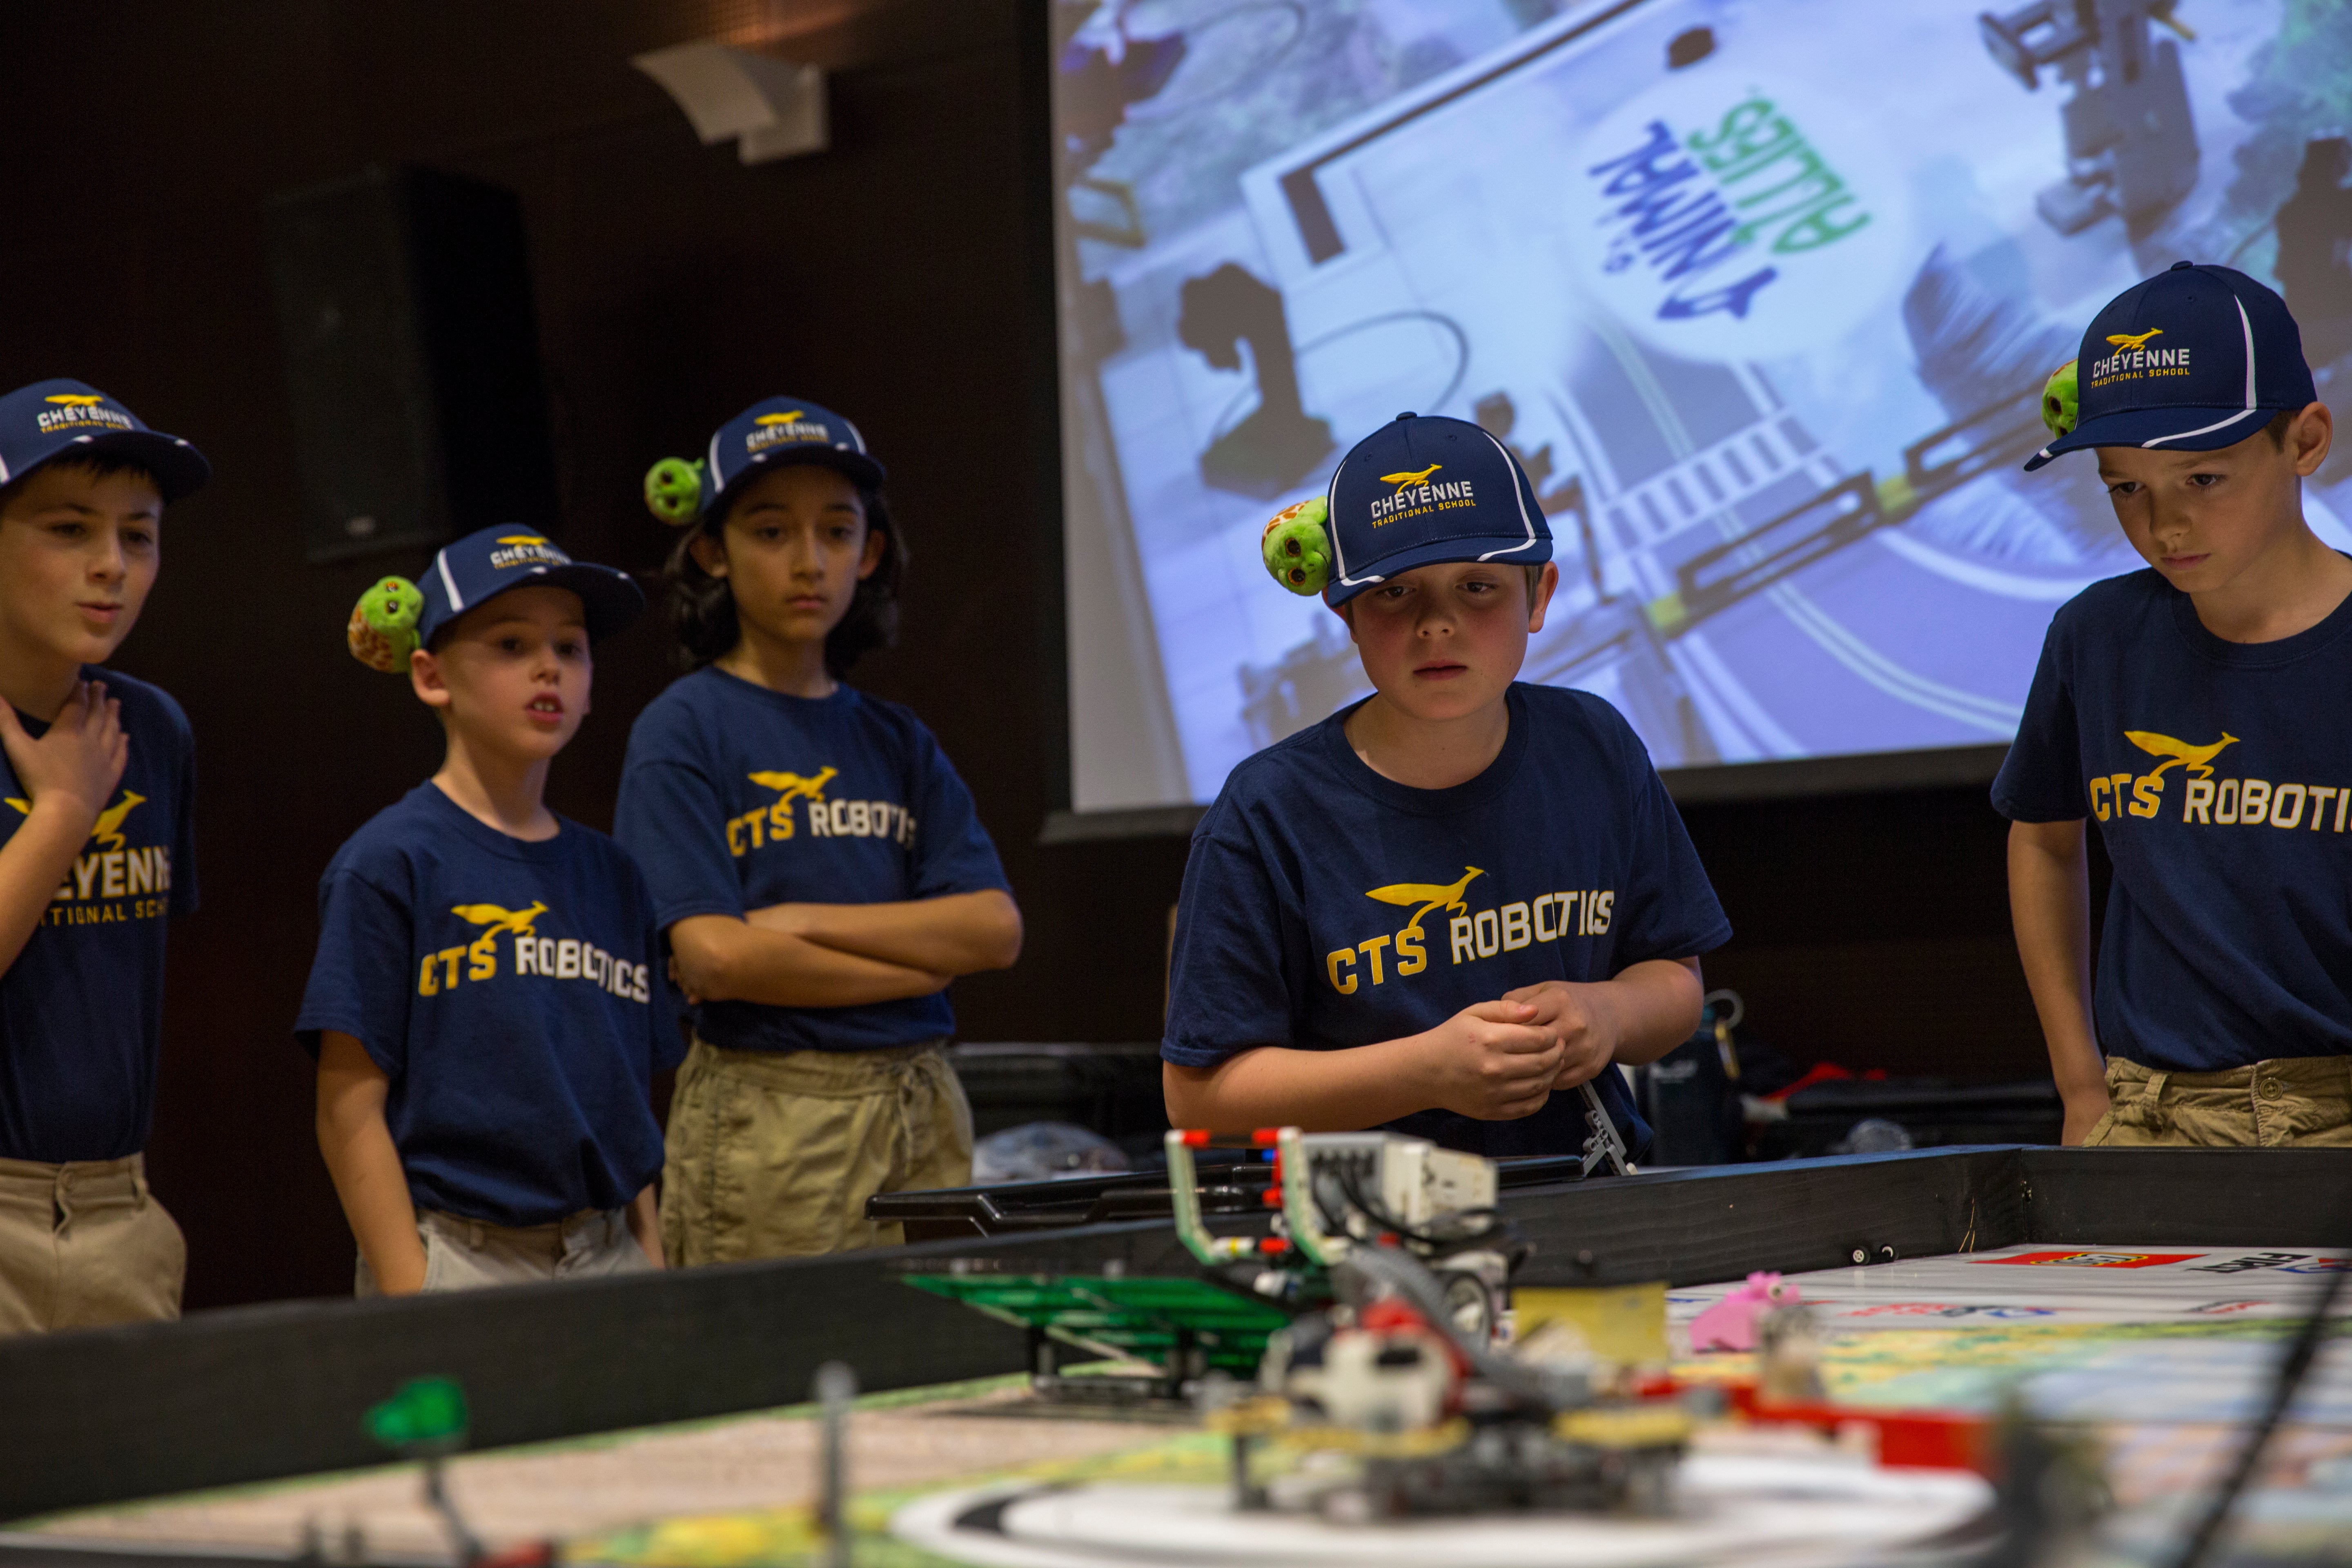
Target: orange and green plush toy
383, 630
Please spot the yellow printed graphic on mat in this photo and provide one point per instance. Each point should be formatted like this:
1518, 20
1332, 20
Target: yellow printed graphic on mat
1623, 1324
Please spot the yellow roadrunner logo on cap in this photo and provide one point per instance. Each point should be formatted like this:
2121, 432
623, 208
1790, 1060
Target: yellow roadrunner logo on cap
2134, 340
1420, 479
73, 399
526, 549
778, 418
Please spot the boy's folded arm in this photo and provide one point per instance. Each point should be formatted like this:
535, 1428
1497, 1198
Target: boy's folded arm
956, 934
2050, 905
721, 958
365, 1164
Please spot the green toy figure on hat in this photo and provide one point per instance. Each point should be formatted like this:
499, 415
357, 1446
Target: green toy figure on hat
2059, 408
673, 491
383, 630
1298, 549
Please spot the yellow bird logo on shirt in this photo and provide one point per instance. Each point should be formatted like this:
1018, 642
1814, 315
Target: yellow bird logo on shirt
107, 828
1428, 895
2199, 759
795, 786
497, 918
2134, 341
1403, 479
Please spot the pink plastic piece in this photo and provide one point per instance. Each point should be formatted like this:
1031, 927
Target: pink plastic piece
1730, 1323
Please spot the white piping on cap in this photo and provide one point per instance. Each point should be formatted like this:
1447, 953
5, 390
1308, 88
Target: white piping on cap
448, 584
2248, 327
1331, 528
1525, 521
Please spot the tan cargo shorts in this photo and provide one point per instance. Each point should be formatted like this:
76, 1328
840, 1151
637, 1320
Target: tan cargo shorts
774, 1154
83, 1244
463, 1254
2300, 1101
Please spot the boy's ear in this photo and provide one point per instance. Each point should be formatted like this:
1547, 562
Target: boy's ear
710, 553
1539, 596
2309, 437
426, 679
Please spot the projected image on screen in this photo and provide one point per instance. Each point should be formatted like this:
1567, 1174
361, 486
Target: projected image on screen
1762, 294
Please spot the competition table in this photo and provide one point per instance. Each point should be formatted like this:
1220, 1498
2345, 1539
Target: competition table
2141, 1292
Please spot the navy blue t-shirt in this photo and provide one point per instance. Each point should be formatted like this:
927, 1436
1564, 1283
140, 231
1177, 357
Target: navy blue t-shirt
2219, 774
735, 797
81, 1010
513, 994
1324, 905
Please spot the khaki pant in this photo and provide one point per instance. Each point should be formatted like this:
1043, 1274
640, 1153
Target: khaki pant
84, 1245
463, 1254
774, 1154
2306, 1101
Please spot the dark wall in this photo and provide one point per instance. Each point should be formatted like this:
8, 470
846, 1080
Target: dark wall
898, 278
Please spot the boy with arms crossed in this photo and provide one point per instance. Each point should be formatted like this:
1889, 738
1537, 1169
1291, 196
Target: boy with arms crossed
1443, 903
99, 847
487, 1004
2195, 710
819, 866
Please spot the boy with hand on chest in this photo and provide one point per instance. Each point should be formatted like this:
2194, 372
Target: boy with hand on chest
97, 846
1442, 905
2194, 710
486, 1006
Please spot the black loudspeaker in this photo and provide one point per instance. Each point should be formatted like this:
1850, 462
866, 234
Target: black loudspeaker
412, 358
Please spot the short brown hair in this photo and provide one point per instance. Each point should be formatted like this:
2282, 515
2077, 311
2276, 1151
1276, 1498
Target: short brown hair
2276, 428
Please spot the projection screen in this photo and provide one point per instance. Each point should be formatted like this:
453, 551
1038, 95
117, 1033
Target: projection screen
1762, 292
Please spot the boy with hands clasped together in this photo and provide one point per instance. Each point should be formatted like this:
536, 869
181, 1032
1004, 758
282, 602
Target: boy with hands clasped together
486, 1006
98, 849
1438, 906
2195, 711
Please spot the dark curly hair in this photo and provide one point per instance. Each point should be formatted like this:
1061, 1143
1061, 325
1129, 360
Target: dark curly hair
702, 607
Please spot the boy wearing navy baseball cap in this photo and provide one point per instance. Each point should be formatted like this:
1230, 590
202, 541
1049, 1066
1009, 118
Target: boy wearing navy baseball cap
97, 847
486, 1006
2191, 710
1445, 903
819, 868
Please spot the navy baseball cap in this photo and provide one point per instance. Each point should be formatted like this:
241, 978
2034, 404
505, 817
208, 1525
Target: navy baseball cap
780, 430
52, 419
2194, 359
489, 561
1424, 488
